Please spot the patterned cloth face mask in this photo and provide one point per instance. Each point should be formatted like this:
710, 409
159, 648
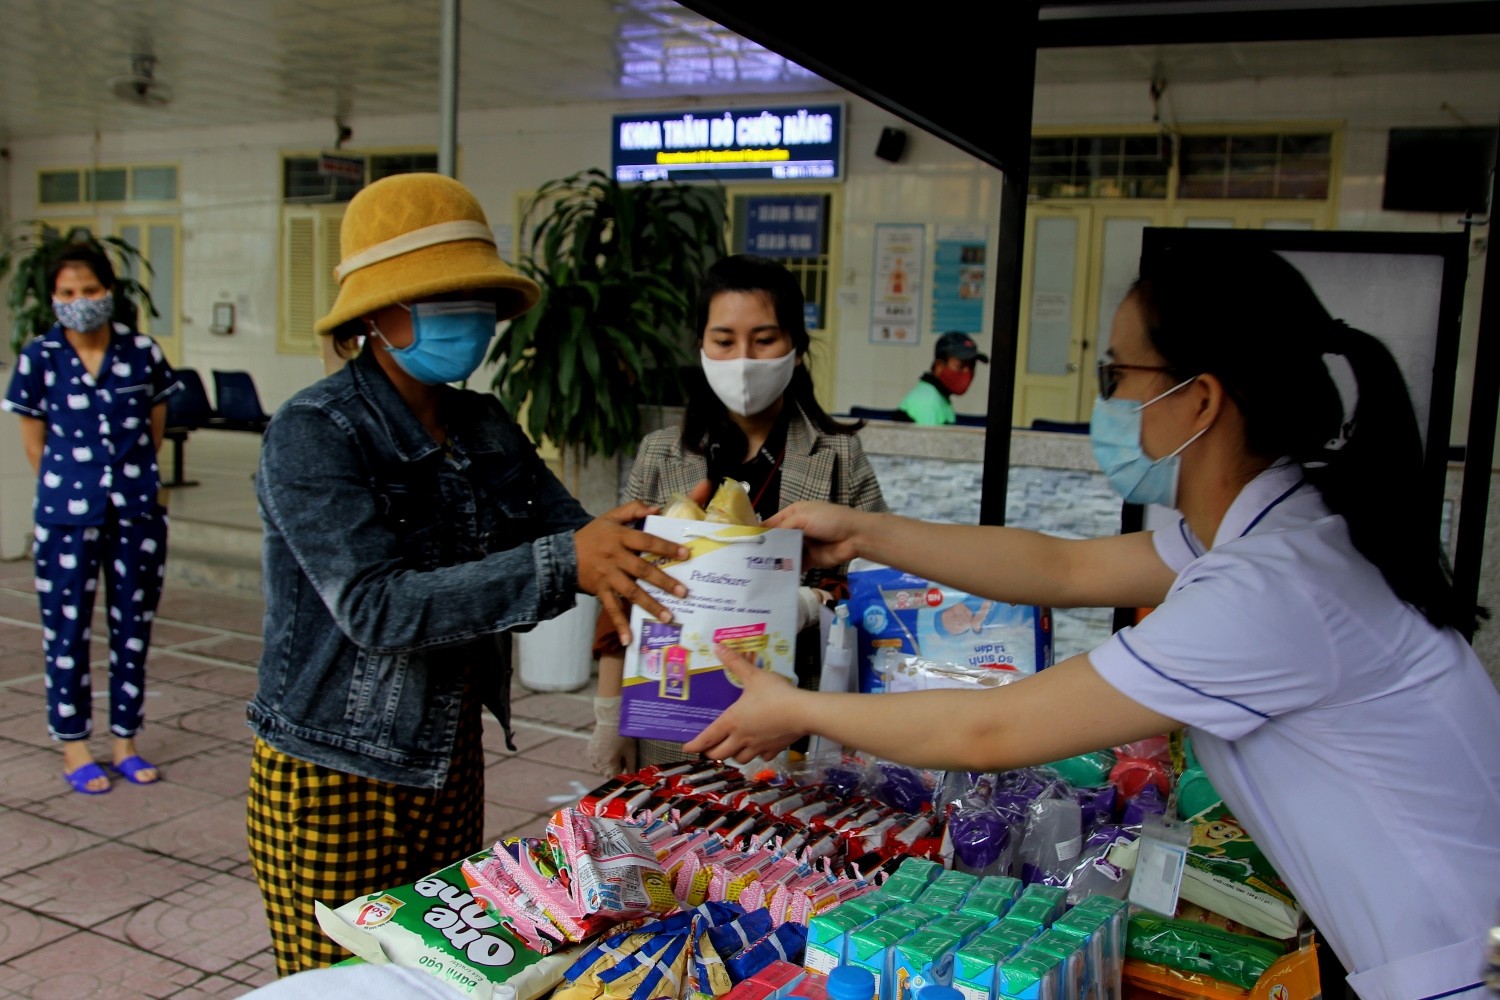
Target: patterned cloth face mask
1115, 434
448, 340
84, 315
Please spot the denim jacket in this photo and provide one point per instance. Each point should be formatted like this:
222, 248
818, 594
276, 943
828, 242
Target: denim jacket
393, 566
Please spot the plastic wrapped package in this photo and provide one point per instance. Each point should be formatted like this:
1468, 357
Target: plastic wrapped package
1053, 839
1095, 874
983, 838
908, 789
895, 610
436, 925
1193, 947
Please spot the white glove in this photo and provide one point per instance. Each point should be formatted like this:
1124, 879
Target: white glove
809, 601
609, 752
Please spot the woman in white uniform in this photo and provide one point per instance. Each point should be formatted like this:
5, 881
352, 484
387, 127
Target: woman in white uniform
1305, 626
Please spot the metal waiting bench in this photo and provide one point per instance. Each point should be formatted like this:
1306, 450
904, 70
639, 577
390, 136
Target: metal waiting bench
239, 409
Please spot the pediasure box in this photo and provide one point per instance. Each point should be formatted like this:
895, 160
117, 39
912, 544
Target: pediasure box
894, 610
742, 592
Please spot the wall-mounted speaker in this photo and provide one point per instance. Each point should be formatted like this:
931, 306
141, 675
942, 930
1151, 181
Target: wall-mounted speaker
891, 145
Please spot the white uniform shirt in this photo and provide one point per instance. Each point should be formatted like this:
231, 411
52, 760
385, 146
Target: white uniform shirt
1358, 745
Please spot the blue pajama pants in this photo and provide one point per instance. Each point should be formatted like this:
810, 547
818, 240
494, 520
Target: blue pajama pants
132, 553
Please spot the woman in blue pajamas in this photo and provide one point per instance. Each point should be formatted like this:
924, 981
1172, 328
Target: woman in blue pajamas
91, 395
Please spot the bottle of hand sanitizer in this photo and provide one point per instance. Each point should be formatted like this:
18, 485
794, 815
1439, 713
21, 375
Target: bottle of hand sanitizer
838, 664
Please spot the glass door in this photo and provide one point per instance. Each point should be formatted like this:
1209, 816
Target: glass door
1052, 337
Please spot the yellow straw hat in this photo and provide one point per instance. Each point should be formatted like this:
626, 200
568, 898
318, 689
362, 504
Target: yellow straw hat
413, 236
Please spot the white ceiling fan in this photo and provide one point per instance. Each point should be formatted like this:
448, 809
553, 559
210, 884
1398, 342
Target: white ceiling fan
140, 86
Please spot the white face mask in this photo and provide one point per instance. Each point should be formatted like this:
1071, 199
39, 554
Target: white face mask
746, 386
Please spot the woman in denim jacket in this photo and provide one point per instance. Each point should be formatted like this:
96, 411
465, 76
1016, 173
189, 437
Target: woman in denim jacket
408, 526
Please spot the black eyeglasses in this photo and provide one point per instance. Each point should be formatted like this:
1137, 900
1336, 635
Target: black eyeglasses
1109, 375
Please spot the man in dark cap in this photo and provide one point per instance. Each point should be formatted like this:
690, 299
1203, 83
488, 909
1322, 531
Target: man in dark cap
952, 370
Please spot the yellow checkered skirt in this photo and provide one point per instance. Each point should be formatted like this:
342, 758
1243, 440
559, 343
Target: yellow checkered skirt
320, 834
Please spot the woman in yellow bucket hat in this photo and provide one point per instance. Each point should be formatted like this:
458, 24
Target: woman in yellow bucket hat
408, 526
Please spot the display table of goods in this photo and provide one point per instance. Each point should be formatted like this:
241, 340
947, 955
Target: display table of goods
707, 880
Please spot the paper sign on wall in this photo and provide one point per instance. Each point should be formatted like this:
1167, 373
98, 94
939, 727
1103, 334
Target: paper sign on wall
896, 304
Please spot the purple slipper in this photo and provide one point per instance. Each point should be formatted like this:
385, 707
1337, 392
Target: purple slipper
135, 764
80, 778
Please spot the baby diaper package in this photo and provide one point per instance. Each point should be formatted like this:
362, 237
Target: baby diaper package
896, 611
742, 592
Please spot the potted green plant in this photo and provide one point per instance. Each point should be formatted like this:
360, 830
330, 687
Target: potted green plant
619, 267
29, 299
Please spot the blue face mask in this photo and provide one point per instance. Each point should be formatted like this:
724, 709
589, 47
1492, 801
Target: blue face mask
448, 340
1115, 433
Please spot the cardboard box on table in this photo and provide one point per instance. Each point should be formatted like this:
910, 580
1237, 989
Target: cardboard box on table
742, 592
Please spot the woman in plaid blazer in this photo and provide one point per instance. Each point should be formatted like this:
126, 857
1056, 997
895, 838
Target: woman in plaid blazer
751, 416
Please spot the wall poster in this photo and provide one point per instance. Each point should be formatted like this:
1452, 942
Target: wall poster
896, 301
958, 276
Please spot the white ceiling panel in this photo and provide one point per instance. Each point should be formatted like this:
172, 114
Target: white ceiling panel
232, 62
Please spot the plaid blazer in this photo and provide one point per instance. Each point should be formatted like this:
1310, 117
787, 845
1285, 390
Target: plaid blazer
817, 466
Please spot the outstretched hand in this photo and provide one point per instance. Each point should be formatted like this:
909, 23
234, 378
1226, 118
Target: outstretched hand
611, 562
761, 721
828, 531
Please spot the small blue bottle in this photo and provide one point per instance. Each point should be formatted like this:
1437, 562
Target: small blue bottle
936, 992
850, 982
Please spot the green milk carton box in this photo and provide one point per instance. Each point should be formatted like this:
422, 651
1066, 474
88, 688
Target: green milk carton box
963, 880
872, 905
946, 897
828, 937
1073, 973
963, 924
913, 867
925, 959
1088, 929
902, 889
1031, 914
992, 897
1030, 975
1115, 916
975, 963
870, 949
1056, 895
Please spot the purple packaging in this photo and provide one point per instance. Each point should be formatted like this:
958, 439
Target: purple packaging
742, 593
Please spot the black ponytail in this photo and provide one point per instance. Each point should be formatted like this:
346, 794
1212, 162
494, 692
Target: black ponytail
1250, 319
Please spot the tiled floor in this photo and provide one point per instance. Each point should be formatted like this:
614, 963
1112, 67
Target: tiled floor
147, 891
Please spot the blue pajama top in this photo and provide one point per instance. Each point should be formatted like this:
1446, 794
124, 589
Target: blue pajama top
98, 452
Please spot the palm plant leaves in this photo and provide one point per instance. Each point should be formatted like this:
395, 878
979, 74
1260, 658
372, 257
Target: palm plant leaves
619, 269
